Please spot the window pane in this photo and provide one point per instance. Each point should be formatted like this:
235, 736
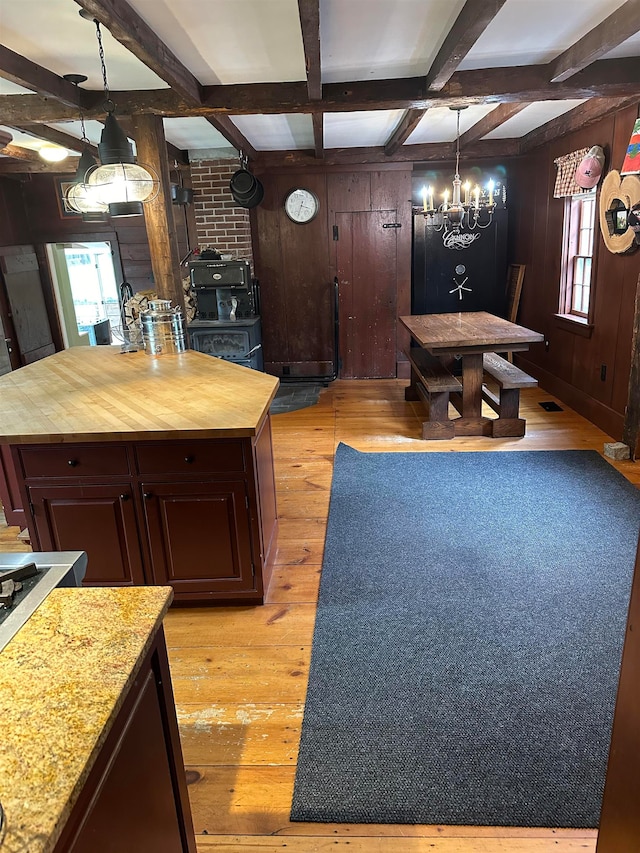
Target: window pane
577, 299
578, 277
587, 214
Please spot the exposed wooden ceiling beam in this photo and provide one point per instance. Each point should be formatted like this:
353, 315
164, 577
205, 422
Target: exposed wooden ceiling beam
574, 119
12, 167
490, 122
232, 134
57, 137
173, 153
410, 120
309, 11
618, 27
474, 18
428, 152
318, 134
16, 152
25, 73
127, 27
612, 78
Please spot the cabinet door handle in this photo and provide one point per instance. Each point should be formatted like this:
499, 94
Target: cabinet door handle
189, 459
73, 462
124, 497
147, 495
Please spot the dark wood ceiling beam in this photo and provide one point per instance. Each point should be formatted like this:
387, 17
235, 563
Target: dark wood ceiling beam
410, 120
127, 27
23, 72
56, 137
318, 134
605, 78
428, 152
37, 165
17, 152
579, 117
490, 122
232, 134
173, 153
474, 18
309, 11
611, 78
618, 27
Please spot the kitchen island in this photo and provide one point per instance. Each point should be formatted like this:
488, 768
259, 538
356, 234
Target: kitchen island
90, 759
160, 468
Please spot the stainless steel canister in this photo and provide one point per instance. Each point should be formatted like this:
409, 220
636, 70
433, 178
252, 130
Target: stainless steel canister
162, 328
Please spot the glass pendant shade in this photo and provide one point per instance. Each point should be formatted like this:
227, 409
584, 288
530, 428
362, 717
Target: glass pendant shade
120, 182
80, 197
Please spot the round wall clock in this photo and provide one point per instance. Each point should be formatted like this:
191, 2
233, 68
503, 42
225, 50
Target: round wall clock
301, 205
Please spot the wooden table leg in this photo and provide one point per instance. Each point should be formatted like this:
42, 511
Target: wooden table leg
472, 422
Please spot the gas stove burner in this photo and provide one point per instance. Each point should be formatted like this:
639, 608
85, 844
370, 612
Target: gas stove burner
11, 582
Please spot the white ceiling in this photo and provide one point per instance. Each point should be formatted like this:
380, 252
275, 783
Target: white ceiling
260, 41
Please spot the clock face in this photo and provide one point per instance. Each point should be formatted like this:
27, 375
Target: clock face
301, 205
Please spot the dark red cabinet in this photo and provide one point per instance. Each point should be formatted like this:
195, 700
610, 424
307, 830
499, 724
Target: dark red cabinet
100, 520
199, 515
179, 515
135, 797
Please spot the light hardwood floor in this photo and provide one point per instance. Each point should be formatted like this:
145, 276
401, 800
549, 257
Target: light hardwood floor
239, 673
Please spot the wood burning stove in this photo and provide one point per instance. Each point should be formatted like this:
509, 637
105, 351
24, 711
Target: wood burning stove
227, 323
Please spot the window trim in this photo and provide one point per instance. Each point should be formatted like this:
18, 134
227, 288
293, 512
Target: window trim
566, 318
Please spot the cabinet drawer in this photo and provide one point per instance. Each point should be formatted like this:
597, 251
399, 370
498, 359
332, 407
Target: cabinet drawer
196, 457
74, 460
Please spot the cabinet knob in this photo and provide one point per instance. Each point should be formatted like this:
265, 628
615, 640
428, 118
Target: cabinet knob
147, 495
73, 462
124, 497
189, 459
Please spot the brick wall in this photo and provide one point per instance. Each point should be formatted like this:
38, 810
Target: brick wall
220, 223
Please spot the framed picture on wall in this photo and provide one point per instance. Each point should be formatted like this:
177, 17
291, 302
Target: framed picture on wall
62, 185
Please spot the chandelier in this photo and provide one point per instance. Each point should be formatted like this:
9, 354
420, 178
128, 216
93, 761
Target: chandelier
470, 212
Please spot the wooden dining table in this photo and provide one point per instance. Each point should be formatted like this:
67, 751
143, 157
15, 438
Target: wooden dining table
469, 335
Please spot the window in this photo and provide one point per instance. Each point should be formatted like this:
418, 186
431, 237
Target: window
577, 255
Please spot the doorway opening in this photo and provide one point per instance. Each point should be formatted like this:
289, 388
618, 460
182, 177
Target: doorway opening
87, 293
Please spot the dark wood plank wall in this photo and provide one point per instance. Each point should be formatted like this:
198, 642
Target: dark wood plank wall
296, 264
48, 225
570, 364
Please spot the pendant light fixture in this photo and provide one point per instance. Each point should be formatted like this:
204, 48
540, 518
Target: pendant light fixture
119, 182
79, 196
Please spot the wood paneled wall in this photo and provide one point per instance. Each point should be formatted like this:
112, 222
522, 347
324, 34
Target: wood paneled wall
570, 364
49, 225
296, 264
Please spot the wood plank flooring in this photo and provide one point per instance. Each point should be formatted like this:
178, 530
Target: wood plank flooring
240, 673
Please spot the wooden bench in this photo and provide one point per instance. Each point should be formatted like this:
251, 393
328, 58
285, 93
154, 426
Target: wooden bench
510, 379
432, 383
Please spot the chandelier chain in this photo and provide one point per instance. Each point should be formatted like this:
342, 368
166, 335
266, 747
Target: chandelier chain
458, 145
110, 106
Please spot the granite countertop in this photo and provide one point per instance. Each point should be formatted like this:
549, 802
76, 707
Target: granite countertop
63, 678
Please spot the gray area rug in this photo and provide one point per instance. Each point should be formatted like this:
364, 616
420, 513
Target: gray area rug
467, 645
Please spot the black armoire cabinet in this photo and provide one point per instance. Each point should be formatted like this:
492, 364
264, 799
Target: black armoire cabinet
468, 275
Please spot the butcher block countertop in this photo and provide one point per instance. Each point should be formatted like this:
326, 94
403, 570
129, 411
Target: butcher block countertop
102, 394
63, 678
